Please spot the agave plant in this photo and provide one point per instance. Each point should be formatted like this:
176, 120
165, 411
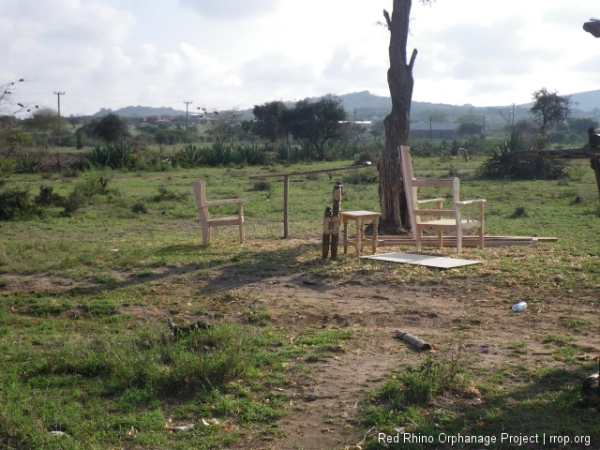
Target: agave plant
115, 156
505, 163
220, 154
27, 163
252, 155
191, 156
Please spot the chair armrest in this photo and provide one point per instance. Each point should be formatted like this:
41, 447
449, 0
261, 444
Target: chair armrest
434, 212
431, 200
468, 202
226, 202
432, 183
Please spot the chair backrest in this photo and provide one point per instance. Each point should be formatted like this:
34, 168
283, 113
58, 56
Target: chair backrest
408, 177
200, 196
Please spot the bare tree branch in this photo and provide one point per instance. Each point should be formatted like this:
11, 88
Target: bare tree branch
412, 59
387, 19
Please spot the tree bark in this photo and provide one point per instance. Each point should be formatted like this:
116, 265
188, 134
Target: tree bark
394, 208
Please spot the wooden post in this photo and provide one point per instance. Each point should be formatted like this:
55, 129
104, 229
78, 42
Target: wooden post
335, 219
594, 140
326, 232
286, 193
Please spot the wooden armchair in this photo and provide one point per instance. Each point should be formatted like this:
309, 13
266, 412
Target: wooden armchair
207, 222
453, 223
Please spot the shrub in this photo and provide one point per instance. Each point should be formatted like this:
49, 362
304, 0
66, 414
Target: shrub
72, 203
6, 165
362, 176
504, 163
47, 198
164, 195
139, 207
16, 204
262, 185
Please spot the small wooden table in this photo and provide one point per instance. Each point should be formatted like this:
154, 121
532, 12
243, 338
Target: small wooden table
360, 217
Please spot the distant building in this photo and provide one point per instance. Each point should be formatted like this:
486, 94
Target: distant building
434, 130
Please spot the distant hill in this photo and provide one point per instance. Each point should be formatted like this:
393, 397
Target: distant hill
587, 101
140, 111
374, 107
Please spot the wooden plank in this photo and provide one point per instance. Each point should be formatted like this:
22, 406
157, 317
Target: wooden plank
467, 241
309, 172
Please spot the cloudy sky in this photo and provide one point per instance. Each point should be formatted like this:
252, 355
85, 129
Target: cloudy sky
227, 53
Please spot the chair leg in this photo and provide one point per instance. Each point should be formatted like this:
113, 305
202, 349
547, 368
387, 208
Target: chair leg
418, 238
241, 221
481, 239
205, 233
458, 240
440, 239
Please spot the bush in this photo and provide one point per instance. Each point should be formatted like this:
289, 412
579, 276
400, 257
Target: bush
72, 203
504, 163
362, 176
47, 198
16, 204
164, 195
139, 207
262, 185
6, 165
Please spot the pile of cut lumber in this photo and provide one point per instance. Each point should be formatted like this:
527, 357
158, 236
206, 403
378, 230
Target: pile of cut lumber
467, 241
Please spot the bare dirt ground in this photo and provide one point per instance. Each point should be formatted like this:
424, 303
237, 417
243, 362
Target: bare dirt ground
324, 400
325, 403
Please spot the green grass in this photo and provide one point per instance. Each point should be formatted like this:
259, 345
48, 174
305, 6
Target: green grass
77, 361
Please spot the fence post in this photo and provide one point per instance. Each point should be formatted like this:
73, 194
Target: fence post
326, 232
286, 194
335, 219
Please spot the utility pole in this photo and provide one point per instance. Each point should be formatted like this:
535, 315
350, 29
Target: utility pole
429, 128
483, 125
58, 94
513, 115
187, 104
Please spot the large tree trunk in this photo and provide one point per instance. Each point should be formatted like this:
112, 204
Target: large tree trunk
394, 208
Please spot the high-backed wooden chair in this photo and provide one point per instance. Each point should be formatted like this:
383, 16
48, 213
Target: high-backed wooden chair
207, 222
454, 221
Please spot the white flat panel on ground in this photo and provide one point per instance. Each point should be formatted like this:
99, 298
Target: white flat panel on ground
423, 260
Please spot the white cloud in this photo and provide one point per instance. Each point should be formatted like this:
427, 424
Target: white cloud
231, 9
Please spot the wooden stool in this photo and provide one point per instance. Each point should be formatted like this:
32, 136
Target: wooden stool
360, 217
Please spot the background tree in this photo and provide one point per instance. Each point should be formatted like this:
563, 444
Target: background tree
469, 128
549, 109
44, 120
269, 121
581, 125
222, 124
392, 199
13, 139
313, 124
111, 128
